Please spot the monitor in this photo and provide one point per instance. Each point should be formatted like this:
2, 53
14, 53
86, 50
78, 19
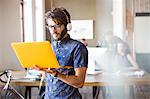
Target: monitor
95, 58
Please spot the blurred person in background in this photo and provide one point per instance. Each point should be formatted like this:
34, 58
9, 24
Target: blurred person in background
124, 57
109, 41
83, 40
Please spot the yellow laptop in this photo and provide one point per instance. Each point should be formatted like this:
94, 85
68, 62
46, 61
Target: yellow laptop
39, 53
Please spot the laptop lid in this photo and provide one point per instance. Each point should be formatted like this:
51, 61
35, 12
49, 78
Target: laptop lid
35, 53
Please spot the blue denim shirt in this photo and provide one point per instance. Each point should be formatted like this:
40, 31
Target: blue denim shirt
68, 52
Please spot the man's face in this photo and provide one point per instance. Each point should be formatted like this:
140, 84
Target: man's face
55, 29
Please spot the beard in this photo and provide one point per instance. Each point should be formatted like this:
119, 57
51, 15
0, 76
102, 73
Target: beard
59, 36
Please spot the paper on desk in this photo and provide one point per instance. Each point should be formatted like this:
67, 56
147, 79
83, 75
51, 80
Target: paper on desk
33, 74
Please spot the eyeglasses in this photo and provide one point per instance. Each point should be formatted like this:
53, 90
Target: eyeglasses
53, 26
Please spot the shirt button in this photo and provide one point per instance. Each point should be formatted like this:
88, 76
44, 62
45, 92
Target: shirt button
63, 56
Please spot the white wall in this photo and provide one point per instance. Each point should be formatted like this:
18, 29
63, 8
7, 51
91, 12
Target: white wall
142, 34
79, 9
34, 20
0, 33
104, 18
10, 32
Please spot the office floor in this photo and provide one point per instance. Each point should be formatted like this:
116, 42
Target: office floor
140, 92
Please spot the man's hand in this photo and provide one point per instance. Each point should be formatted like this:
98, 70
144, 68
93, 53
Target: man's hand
51, 71
36, 67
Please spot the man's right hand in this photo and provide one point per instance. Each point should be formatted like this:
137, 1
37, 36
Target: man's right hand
51, 71
36, 67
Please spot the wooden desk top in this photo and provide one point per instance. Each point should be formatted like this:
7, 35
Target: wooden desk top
108, 80
91, 80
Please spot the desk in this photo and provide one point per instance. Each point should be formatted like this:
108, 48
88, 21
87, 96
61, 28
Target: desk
91, 80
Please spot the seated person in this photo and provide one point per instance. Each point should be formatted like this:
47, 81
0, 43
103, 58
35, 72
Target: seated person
110, 40
119, 58
83, 40
124, 57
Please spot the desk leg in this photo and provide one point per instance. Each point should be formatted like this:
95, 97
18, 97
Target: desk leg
28, 92
131, 88
96, 90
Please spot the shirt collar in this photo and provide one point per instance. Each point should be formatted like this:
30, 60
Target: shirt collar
63, 40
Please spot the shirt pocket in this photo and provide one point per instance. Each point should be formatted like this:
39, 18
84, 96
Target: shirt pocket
67, 60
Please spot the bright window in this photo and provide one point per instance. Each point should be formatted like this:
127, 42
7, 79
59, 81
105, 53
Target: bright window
34, 24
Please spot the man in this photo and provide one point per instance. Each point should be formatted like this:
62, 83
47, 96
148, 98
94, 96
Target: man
63, 83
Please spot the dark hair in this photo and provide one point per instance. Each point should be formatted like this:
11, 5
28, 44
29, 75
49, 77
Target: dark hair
60, 14
83, 39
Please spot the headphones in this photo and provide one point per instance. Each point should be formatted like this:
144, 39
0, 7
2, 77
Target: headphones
69, 26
